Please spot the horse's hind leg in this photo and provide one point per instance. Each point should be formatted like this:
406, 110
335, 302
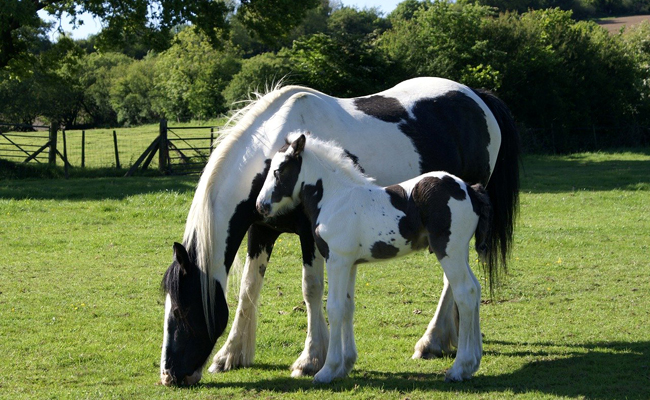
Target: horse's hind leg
313, 356
467, 294
441, 336
239, 349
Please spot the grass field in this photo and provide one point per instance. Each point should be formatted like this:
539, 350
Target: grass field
81, 311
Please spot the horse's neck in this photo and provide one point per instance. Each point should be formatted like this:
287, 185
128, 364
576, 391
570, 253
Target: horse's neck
236, 163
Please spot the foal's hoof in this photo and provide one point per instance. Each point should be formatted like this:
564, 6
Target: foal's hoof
327, 375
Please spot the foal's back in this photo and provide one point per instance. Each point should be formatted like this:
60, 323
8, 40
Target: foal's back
375, 223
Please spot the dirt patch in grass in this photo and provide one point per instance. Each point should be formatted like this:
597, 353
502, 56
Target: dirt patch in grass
614, 25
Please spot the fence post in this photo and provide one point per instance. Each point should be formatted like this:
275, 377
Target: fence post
117, 153
54, 129
211, 139
65, 156
163, 149
83, 149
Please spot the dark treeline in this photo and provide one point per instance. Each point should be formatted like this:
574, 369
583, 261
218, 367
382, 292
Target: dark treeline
560, 76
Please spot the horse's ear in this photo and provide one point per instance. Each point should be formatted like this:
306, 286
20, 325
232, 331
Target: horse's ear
298, 145
181, 257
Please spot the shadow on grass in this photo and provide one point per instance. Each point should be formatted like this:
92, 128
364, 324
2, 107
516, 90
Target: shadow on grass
547, 174
542, 174
608, 371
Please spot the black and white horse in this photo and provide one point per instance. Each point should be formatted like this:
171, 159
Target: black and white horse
420, 125
354, 221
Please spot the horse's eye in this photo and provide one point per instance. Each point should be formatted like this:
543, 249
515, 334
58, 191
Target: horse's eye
276, 174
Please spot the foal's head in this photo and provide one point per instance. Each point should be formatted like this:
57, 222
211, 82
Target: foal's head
280, 190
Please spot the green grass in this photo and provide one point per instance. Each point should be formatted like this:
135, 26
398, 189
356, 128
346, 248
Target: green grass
81, 311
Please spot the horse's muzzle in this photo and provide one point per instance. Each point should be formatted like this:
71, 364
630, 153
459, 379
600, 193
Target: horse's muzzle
263, 208
167, 379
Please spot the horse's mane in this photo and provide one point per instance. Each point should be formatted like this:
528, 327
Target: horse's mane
332, 156
198, 234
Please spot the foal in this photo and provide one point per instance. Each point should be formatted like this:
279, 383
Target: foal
355, 221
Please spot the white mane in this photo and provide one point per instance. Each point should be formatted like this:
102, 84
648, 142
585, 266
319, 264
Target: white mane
333, 157
199, 225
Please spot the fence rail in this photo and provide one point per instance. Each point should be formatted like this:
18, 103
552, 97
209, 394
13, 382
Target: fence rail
180, 150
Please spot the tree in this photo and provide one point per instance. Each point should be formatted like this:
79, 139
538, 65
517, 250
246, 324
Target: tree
192, 75
99, 73
152, 20
439, 39
133, 94
346, 60
258, 74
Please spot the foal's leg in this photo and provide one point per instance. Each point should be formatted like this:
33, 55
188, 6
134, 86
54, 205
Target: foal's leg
441, 336
349, 345
313, 356
338, 275
239, 349
467, 294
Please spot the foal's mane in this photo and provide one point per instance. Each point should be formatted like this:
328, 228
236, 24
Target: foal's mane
332, 156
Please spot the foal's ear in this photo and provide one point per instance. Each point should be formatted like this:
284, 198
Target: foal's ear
298, 145
181, 257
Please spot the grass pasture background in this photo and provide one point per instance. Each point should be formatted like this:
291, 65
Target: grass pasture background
81, 311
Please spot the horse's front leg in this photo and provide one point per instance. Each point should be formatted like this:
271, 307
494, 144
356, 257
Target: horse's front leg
338, 307
239, 349
441, 336
313, 356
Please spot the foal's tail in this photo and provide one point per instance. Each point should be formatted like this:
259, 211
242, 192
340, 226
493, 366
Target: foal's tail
487, 249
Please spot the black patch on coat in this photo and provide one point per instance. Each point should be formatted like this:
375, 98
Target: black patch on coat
286, 177
431, 196
355, 161
382, 250
387, 109
311, 195
449, 132
261, 238
245, 215
294, 221
410, 225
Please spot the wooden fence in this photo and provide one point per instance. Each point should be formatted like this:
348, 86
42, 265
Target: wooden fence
178, 155
180, 150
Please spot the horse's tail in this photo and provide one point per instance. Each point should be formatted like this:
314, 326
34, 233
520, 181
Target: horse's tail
487, 253
503, 187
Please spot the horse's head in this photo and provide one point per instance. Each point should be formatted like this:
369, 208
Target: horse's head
187, 341
280, 190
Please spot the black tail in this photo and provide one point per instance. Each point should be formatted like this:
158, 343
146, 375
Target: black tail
483, 234
503, 187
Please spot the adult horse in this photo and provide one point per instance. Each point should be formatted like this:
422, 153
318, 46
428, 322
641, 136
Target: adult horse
420, 125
